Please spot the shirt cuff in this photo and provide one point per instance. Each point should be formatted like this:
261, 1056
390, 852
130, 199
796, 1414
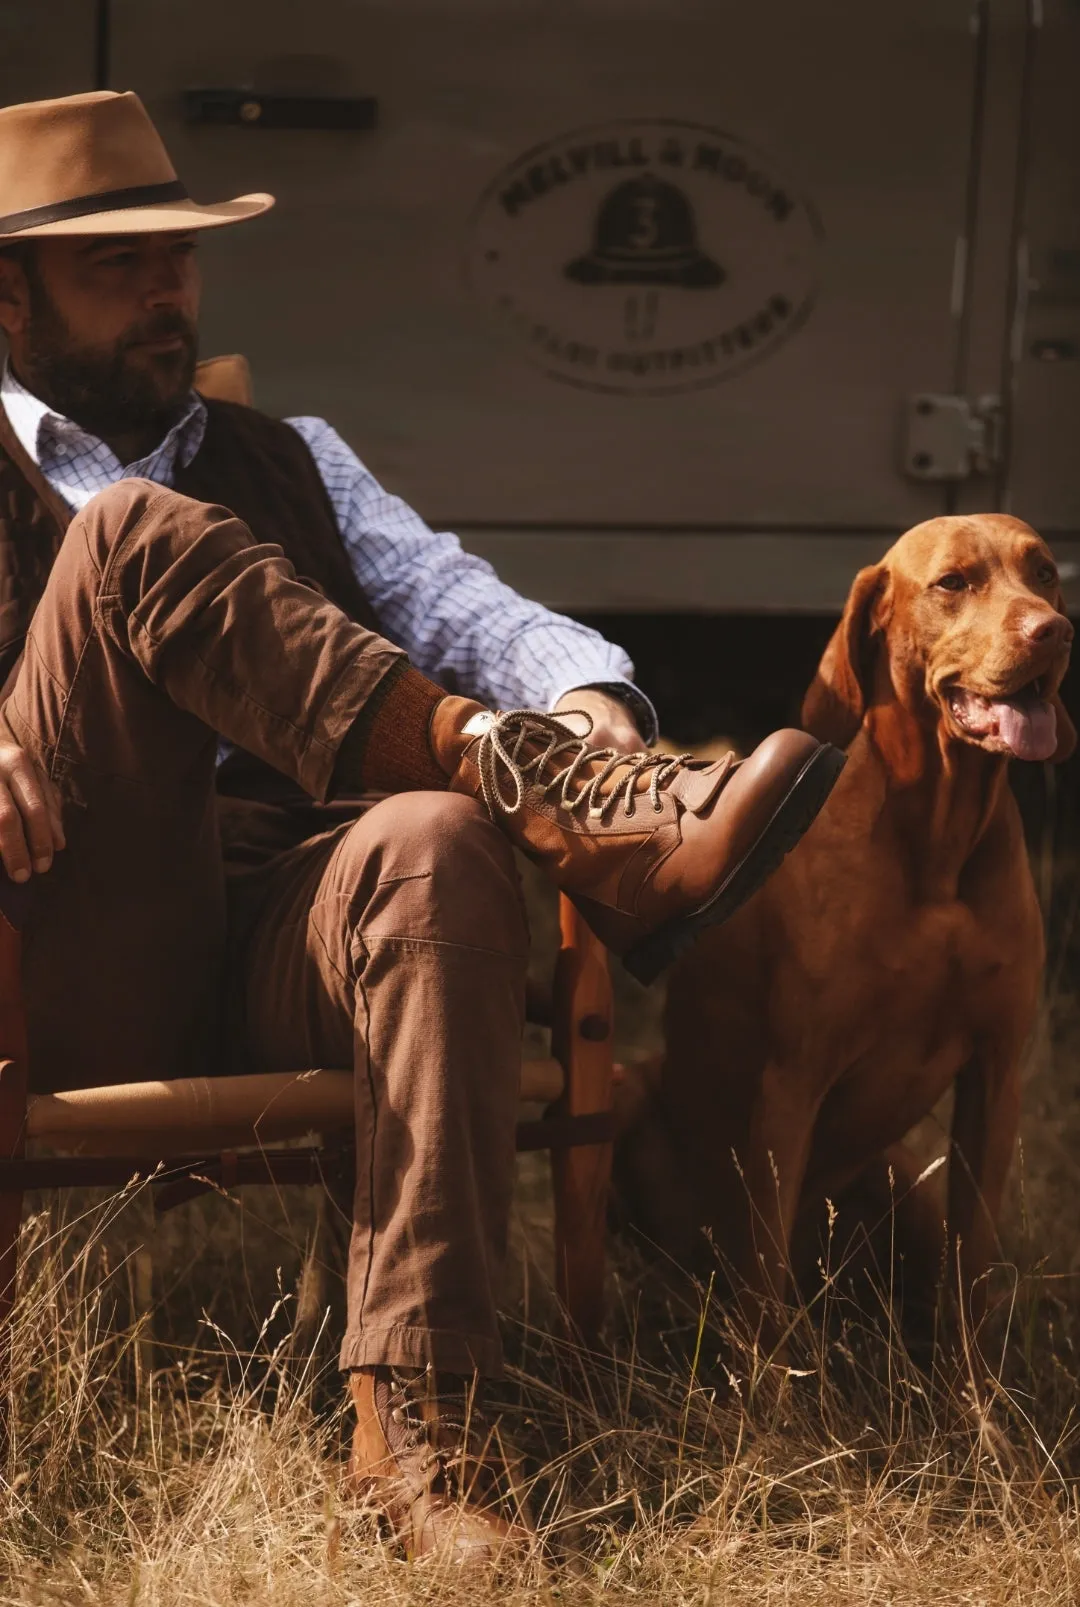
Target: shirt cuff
639, 705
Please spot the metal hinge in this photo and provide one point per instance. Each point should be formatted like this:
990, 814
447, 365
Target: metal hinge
951, 437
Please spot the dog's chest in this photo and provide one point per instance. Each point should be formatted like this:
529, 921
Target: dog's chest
924, 991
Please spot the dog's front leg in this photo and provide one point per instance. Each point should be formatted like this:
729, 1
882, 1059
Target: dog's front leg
985, 1120
773, 1167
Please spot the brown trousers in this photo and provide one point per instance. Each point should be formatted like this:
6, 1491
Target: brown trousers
395, 942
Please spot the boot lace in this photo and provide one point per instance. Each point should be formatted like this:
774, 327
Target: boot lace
519, 746
448, 1431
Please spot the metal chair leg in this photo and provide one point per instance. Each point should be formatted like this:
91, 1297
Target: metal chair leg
582, 1031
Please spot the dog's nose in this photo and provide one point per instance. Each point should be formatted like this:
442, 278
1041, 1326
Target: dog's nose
1049, 630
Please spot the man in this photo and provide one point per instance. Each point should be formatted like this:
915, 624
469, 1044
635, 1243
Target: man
150, 544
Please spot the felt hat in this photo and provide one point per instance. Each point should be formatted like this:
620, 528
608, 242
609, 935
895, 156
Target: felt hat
95, 164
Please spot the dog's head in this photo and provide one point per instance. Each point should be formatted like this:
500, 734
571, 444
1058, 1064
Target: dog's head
963, 623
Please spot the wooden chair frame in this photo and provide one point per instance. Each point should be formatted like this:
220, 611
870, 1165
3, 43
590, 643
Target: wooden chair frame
193, 1134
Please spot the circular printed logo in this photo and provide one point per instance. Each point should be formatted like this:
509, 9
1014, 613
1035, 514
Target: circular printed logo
645, 257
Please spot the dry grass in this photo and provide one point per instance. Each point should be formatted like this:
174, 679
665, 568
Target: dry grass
206, 1470
178, 1435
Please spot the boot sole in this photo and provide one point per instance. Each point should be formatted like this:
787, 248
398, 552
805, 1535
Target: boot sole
791, 819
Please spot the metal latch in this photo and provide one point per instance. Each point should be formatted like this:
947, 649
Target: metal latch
951, 437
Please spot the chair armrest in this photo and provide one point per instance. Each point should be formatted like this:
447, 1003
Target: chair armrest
225, 379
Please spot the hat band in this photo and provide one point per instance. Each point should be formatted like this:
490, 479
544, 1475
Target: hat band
83, 206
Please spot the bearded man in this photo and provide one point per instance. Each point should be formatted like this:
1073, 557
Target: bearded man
152, 545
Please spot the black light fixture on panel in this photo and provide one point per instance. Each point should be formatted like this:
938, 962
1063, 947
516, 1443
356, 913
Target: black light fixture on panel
248, 108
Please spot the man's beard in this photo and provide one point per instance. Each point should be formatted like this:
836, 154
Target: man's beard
98, 386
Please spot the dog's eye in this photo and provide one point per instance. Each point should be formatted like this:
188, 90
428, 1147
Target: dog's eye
953, 581
1046, 574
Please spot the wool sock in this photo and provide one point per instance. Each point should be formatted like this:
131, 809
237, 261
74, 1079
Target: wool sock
387, 748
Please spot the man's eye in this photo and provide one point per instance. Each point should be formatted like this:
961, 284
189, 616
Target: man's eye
953, 581
1046, 575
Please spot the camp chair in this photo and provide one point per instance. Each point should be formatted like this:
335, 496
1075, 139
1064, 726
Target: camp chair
196, 1133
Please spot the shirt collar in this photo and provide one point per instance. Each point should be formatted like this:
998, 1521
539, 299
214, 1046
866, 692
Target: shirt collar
37, 426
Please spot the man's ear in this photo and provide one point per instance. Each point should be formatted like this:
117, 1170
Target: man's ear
14, 298
834, 706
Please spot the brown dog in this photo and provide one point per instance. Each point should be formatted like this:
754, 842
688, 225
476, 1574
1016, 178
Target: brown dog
898, 949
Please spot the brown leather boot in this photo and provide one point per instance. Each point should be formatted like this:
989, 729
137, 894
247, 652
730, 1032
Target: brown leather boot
650, 847
425, 1453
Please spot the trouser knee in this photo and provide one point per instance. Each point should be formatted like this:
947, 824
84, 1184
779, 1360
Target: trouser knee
119, 511
434, 868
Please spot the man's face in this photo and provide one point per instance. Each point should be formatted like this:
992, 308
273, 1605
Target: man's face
103, 328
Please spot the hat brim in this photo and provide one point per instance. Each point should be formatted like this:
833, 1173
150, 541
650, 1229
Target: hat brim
168, 217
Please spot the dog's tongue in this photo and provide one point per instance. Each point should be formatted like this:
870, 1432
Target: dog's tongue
1028, 728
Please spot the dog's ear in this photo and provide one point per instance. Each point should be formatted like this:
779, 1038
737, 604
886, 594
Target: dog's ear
834, 706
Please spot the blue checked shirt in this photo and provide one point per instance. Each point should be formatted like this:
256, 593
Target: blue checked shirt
448, 609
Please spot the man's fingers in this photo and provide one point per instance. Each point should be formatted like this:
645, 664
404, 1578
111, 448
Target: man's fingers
612, 724
13, 849
618, 734
31, 820
27, 787
627, 738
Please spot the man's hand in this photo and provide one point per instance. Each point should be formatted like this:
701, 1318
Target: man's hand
31, 829
613, 724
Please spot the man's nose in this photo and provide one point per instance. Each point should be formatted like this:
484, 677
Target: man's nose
167, 286
1047, 629
166, 291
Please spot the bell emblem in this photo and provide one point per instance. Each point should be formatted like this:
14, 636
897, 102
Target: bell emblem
646, 234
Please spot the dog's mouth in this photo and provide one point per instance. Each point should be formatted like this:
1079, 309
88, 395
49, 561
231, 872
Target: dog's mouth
1023, 725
